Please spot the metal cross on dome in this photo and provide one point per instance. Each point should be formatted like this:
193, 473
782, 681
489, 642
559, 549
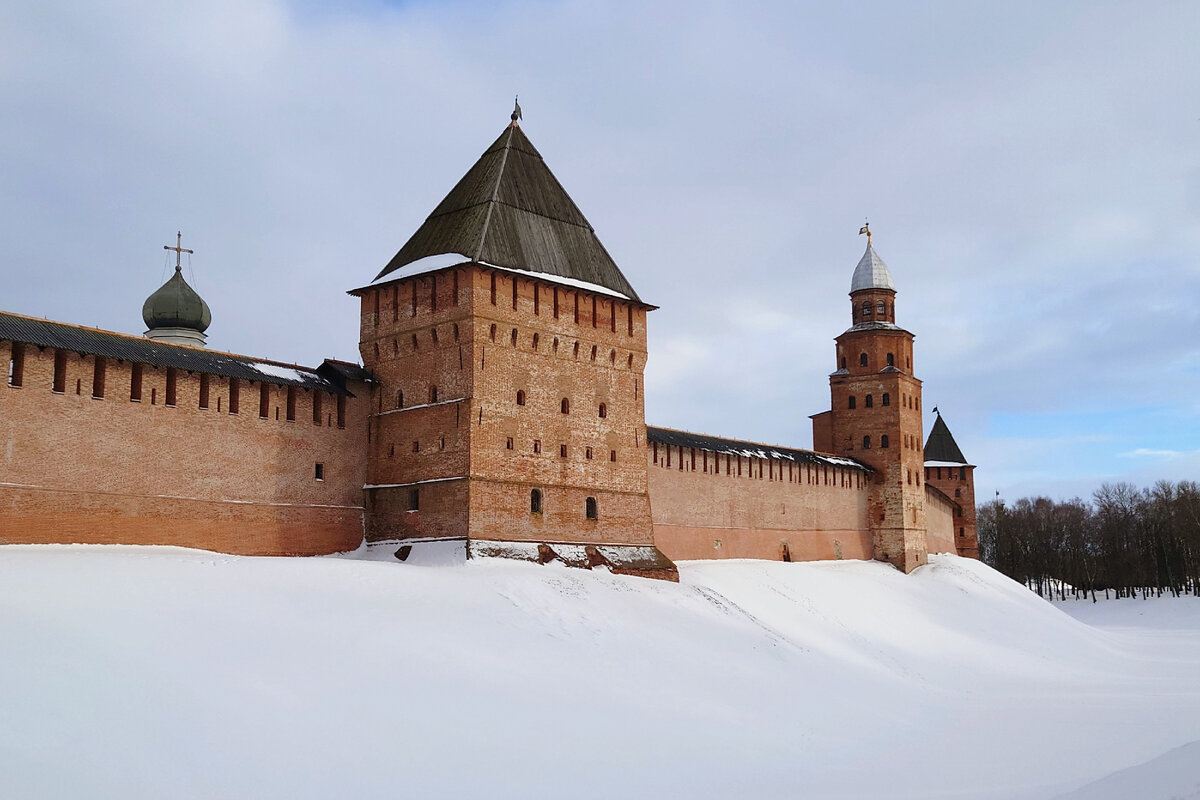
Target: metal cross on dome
179, 249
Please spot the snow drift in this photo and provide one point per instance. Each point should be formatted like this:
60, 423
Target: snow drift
155, 672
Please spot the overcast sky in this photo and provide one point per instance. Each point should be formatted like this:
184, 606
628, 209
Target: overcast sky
1030, 169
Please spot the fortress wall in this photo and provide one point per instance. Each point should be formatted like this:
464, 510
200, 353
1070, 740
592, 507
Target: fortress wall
940, 513
959, 482
74, 468
703, 508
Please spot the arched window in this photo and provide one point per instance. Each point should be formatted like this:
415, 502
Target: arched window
880, 309
891, 359
866, 443
851, 403
520, 397
866, 308
958, 492
862, 359
603, 411
590, 510
883, 440
399, 399
870, 401
565, 406
887, 399
433, 394
535, 501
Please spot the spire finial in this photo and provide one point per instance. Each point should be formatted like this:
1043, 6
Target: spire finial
516, 115
179, 250
866, 228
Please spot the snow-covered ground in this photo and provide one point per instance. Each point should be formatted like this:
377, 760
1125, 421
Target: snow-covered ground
165, 673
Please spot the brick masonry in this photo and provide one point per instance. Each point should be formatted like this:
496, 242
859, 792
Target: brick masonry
77, 468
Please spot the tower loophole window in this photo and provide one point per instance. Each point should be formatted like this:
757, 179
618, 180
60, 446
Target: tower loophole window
883, 441
866, 309
590, 509
603, 411
535, 501
866, 443
851, 403
870, 401
887, 399
565, 406
891, 359
520, 397
862, 359
880, 309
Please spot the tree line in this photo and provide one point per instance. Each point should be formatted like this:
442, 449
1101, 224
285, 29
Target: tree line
1124, 542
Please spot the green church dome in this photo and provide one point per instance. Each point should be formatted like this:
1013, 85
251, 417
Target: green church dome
176, 305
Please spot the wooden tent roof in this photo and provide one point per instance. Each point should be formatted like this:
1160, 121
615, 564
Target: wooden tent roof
510, 211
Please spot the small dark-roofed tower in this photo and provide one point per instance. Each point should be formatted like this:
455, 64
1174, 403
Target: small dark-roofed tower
875, 415
947, 469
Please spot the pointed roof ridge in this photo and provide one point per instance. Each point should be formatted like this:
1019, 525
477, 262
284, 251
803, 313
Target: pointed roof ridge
509, 210
941, 445
871, 272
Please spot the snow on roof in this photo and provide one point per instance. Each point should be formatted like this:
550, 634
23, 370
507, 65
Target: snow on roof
441, 261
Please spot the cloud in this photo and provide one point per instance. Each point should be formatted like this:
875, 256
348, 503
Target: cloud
1031, 177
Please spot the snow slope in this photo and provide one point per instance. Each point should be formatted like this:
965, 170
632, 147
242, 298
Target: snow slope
156, 672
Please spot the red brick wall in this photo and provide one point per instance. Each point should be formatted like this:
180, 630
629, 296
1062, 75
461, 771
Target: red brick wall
710, 511
940, 514
959, 483
80, 469
591, 352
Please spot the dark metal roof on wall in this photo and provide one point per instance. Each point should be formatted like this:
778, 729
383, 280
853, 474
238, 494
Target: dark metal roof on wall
123, 347
510, 211
941, 445
737, 447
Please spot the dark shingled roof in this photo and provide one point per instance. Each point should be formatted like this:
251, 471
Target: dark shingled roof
941, 445
736, 447
123, 347
510, 211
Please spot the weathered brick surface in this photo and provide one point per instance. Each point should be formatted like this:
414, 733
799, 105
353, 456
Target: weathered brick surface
875, 368
940, 514
81, 469
774, 509
544, 342
959, 483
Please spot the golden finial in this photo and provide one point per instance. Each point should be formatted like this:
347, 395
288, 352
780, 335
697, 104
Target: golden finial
179, 249
866, 228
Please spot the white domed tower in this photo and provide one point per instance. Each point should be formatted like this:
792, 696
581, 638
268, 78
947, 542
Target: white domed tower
875, 414
175, 313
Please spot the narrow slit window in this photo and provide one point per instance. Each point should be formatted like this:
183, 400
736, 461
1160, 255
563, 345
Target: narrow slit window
341, 410
291, 403
414, 499
316, 407
135, 383
565, 406
319, 471
99, 370
264, 400
172, 386
203, 391
235, 395
535, 501
520, 397
433, 395
16, 365
603, 411
590, 510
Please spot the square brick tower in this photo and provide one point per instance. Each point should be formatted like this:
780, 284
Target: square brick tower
509, 351
875, 415
948, 470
